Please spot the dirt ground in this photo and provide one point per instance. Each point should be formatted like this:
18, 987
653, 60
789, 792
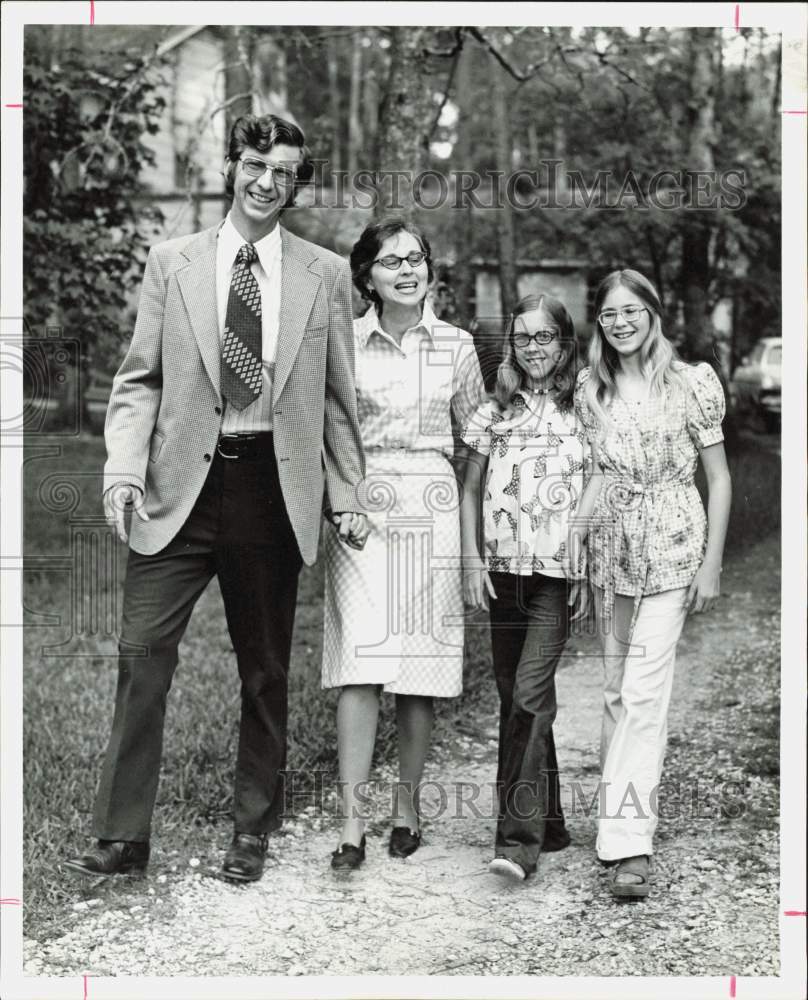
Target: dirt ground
713, 908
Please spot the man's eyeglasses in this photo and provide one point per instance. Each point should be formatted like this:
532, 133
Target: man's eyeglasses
540, 336
282, 176
631, 314
393, 263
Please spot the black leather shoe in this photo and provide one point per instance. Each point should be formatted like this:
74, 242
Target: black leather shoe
348, 857
244, 860
403, 842
112, 857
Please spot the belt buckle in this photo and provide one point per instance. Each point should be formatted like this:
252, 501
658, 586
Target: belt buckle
224, 454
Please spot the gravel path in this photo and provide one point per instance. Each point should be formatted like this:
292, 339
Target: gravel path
713, 909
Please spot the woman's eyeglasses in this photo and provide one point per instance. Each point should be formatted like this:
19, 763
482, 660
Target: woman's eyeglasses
254, 167
540, 336
631, 314
393, 263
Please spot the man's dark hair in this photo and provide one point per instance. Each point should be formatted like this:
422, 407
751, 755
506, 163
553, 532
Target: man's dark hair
367, 247
262, 132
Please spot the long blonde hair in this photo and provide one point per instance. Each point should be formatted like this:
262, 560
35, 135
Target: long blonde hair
511, 377
657, 356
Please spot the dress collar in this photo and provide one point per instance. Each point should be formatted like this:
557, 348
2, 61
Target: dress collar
369, 324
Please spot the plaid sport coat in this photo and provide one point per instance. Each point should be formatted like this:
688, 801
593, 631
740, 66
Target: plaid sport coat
165, 410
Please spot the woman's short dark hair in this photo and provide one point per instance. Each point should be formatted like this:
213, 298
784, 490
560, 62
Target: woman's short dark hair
262, 132
366, 250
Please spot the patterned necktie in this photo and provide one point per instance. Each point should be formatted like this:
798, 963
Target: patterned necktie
242, 348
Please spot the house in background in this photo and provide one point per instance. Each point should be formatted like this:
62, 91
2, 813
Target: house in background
185, 182
564, 278
205, 82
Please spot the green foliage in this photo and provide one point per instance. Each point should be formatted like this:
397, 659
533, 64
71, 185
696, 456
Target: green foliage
85, 123
629, 103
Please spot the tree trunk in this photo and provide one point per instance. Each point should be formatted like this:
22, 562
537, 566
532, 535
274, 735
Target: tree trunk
697, 220
405, 118
238, 78
370, 94
463, 278
354, 120
776, 117
332, 56
506, 242
270, 84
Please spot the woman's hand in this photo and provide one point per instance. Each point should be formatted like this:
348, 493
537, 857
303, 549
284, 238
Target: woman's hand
574, 562
353, 529
477, 586
705, 589
579, 599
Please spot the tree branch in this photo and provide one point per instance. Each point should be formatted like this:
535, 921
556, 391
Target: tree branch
603, 59
520, 75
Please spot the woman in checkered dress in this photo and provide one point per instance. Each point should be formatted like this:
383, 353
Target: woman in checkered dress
394, 611
653, 554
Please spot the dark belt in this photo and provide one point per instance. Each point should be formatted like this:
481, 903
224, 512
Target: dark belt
245, 446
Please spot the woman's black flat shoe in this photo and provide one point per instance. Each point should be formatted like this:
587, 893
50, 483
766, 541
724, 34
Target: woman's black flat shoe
403, 842
348, 857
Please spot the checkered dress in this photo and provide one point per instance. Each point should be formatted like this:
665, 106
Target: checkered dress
394, 611
648, 531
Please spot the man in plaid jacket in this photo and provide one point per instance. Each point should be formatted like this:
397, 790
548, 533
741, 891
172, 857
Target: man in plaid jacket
234, 405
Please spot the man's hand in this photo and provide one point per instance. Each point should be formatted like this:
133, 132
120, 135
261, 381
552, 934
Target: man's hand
116, 501
353, 529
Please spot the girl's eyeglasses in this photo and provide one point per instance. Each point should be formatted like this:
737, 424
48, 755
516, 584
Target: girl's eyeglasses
631, 314
540, 336
393, 263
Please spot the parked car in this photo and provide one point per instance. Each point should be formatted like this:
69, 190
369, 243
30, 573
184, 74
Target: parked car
755, 385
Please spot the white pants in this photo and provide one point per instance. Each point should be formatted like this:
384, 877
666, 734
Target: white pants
637, 690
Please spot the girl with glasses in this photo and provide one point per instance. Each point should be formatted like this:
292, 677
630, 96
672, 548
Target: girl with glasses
528, 459
653, 555
394, 612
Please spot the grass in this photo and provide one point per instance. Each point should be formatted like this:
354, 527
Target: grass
68, 700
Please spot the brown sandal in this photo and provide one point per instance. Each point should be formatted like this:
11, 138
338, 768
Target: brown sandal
631, 866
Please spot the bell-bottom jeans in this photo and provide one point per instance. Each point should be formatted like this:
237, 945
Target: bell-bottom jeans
529, 628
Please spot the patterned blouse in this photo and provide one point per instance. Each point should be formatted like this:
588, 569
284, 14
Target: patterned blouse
648, 531
536, 464
406, 394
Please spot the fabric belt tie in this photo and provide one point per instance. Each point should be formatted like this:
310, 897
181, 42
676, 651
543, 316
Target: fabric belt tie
633, 510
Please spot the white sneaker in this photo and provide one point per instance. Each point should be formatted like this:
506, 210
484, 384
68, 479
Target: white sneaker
508, 868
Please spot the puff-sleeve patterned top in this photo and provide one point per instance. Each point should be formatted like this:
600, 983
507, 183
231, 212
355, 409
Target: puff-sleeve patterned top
649, 530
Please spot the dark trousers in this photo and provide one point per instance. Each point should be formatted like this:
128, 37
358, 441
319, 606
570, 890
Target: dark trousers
239, 531
529, 628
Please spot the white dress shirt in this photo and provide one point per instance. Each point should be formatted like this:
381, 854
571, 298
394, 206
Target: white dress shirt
267, 271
